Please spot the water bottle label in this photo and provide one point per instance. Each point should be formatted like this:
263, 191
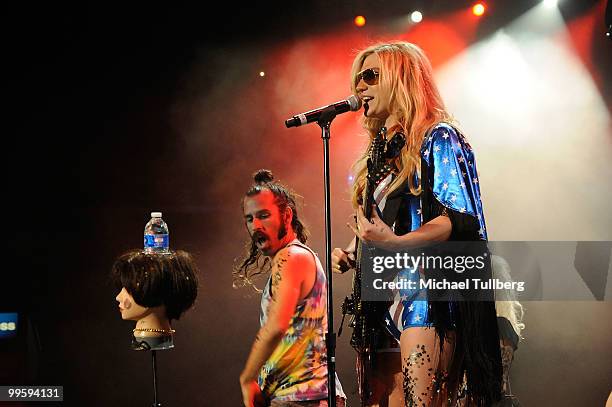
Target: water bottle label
156, 241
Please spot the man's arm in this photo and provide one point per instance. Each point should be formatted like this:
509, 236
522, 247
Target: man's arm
290, 269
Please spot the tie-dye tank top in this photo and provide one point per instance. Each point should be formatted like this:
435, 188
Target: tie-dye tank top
297, 369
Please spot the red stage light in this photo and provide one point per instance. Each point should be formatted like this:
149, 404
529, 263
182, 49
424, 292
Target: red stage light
478, 9
360, 21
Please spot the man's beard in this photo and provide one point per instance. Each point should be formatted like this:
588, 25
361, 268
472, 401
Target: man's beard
282, 231
261, 237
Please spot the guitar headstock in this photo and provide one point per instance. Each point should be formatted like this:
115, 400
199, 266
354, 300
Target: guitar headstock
381, 155
380, 163
395, 145
377, 150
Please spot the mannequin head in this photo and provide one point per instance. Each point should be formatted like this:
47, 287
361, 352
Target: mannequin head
130, 310
154, 288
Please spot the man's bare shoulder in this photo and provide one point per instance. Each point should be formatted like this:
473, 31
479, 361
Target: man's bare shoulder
294, 256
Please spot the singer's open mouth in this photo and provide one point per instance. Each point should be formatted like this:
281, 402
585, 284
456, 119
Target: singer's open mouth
260, 238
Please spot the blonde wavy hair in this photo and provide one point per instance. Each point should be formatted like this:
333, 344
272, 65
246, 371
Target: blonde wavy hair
413, 97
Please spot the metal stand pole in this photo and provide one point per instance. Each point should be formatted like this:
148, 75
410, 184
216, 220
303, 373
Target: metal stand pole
154, 359
324, 122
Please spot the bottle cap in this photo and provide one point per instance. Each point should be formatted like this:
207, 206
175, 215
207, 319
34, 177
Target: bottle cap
156, 214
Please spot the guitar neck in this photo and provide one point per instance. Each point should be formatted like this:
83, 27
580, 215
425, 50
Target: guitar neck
368, 201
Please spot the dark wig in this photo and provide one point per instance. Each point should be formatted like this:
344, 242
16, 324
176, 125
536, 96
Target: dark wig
155, 279
252, 263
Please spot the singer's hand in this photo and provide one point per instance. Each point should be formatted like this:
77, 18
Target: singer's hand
375, 232
342, 260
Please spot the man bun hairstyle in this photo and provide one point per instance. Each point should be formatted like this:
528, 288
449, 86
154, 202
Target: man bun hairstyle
263, 176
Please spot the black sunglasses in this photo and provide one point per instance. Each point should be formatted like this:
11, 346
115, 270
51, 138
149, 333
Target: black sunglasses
369, 76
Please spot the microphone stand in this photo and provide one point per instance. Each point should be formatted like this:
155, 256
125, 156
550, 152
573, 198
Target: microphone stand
325, 119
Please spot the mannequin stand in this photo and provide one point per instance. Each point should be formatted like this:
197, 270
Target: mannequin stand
154, 360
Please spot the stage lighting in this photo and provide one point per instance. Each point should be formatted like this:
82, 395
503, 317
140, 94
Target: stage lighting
550, 3
478, 9
262, 74
360, 21
416, 16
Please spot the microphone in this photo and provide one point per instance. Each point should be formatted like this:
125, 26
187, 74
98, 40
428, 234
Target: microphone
352, 103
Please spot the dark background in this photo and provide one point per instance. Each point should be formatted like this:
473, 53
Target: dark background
93, 146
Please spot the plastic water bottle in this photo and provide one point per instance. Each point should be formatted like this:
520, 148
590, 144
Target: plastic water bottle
156, 235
